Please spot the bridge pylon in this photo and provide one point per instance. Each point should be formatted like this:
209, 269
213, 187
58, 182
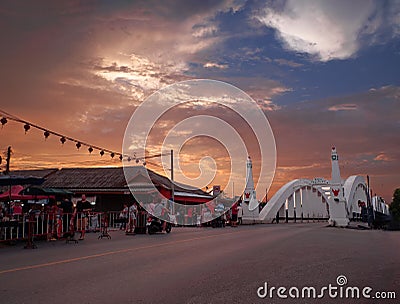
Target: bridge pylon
337, 202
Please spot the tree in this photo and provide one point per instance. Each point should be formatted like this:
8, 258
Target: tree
395, 205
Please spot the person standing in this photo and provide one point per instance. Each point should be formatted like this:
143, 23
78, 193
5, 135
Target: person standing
67, 206
52, 211
67, 210
123, 216
81, 210
162, 212
132, 219
17, 210
234, 216
240, 214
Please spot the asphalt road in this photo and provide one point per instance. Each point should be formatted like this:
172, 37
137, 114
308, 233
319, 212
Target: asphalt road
202, 265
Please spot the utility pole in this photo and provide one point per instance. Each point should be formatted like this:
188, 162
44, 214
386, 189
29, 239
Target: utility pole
266, 195
172, 182
368, 192
8, 160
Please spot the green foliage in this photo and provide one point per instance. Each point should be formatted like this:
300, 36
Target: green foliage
395, 205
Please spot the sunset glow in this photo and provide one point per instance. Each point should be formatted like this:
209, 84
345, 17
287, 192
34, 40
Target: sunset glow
82, 68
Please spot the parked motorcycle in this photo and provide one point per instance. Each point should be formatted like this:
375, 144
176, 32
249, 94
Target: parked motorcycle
218, 222
155, 225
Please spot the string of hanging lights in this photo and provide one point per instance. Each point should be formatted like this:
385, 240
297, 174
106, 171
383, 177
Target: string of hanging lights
78, 143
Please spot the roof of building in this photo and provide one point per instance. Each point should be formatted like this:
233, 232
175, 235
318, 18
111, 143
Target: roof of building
99, 179
41, 173
82, 178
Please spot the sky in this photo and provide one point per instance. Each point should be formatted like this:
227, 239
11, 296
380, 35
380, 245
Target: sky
325, 73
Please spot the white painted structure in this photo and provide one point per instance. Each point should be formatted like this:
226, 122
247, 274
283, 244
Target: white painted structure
300, 198
338, 215
355, 190
250, 202
319, 198
379, 205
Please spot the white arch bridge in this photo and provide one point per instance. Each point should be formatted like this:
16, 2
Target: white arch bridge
310, 199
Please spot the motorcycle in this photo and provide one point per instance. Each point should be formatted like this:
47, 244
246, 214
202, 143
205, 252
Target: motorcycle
155, 225
218, 222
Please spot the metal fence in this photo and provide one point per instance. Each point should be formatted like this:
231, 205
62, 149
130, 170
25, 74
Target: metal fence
50, 226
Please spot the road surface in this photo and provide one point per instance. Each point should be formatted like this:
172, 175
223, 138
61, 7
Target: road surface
202, 265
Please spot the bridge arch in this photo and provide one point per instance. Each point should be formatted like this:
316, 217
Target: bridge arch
302, 196
355, 189
297, 197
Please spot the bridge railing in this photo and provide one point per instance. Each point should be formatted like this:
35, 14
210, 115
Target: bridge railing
304, 217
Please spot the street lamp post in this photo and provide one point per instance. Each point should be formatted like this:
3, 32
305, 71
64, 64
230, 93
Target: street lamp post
172, 182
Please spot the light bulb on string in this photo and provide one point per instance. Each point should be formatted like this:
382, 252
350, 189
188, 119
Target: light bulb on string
26, 127
3, 121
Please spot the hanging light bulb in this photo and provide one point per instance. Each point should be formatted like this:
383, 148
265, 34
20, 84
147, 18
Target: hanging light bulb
112, 154
137, 160
101, 153
120, 157
90, 149
129, 159
3, 121
63, 140
26, 127
46, 134
78, 145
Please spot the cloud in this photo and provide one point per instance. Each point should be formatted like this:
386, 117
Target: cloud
289, 63
343, 107
268, 105
215, 65
204, 30
137, 76
383, 157
263, 91
327, 30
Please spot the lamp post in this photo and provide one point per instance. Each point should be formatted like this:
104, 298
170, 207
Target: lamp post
172, 183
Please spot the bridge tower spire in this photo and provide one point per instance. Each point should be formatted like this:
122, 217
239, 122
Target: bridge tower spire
337, 203
250, 202
249, 180
335, 167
